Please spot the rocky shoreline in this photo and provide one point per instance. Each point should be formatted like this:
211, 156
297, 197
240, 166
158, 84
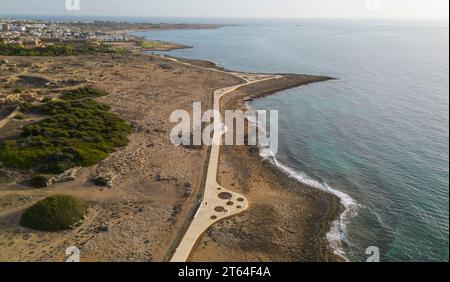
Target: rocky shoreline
144, 90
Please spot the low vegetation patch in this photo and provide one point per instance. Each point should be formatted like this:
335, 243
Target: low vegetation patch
58, 50
18, 90
20, 117
38, 181
76, 133
153, 45
54, 213
26, 107
85, 92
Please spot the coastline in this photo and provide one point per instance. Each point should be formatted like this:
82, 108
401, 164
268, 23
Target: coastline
126, 28
168, 47
284, 81
305, 230
328, 225
336, 223
336, 234
322, 225
328, 139
325, 224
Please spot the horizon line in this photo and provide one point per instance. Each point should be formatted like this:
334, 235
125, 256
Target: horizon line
231, 17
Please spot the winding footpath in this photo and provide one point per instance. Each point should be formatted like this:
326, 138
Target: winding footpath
218, 202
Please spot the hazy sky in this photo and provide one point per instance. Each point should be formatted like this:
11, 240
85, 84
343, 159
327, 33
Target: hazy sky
435, 9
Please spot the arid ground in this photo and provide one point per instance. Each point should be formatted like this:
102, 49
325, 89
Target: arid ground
140, 217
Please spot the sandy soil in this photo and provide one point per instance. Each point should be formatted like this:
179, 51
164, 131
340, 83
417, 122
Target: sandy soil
142, 215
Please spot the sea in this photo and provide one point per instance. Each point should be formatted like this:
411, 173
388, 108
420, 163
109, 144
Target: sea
377, 136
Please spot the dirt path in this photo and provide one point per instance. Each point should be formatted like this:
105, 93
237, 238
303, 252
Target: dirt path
7, 119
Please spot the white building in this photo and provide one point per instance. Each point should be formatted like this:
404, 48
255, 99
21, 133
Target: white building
18, 28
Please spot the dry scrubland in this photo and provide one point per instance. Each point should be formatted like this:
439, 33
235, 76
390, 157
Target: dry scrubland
138, 215
136, 218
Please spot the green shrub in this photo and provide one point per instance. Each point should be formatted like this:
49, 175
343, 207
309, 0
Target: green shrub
20, 117
54, 213
58, 50
76, 133
38, 181
18, 90
18, 50
153, 45
85, 92
26, 107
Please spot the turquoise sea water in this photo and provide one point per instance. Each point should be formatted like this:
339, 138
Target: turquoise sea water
379, 133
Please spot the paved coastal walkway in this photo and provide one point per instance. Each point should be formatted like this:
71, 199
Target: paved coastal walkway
218, 202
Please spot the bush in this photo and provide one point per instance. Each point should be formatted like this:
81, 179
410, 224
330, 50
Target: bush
18, 90
18, 50
76, 133
85, 92
153, 45
38, 181
54, 213
20, 117
26, 107
58, 50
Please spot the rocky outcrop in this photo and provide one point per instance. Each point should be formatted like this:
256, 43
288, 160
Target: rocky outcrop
104, 178
17, 98
66, 176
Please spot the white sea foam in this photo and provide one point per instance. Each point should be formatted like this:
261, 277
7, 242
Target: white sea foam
336, 235
338, 232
